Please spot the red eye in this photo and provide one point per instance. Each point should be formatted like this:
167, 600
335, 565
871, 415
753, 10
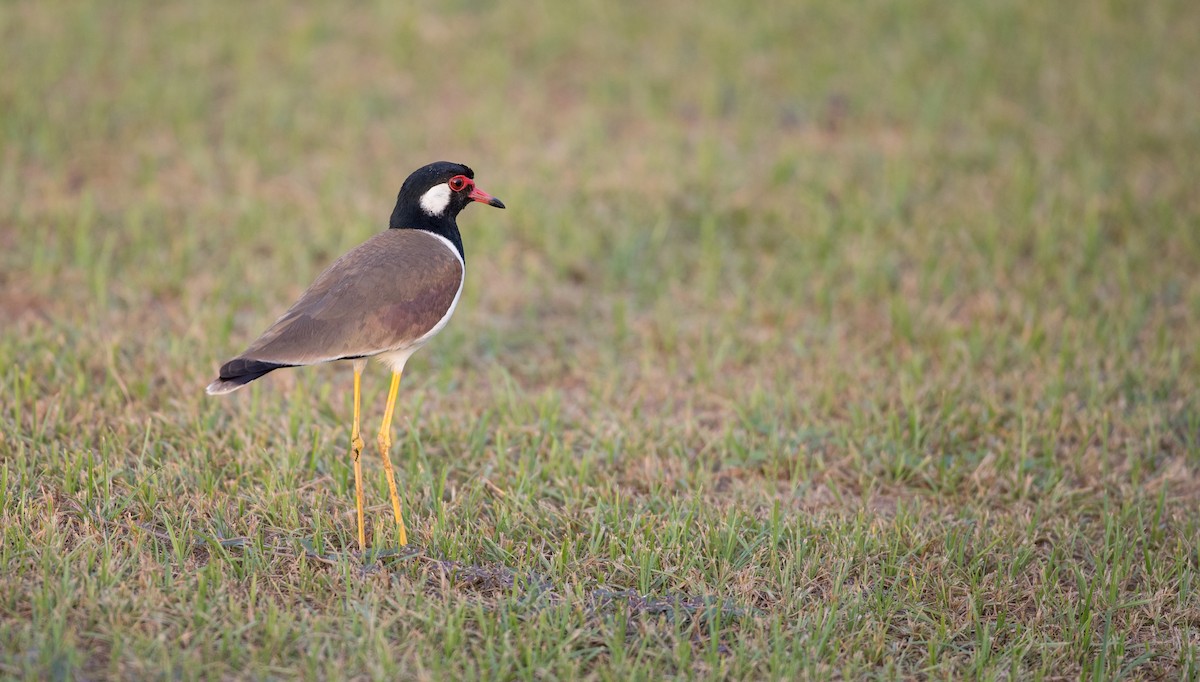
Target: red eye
458, 182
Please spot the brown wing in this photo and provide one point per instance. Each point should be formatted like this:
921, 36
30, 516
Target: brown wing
383, 295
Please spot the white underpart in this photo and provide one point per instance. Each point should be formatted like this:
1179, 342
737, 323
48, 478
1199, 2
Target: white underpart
397, 358
435, 200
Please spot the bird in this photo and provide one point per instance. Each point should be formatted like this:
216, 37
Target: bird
384, 299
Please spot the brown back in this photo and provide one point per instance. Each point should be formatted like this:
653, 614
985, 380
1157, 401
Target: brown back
381, 296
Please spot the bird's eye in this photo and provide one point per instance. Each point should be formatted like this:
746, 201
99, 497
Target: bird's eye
458, 182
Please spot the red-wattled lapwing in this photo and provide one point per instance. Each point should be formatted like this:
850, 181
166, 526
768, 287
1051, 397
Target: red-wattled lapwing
384, 299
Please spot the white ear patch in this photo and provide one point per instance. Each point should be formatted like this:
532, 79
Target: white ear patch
435, 200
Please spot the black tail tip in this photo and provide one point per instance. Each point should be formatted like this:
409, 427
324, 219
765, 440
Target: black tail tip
239, 372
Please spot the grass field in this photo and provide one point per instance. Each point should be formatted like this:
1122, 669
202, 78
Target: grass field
819, 340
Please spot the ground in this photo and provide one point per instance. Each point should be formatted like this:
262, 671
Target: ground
818, 340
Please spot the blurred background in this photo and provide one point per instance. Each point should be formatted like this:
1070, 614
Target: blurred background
822, 253
803, 207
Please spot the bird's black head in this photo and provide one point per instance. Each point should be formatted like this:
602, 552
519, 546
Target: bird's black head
432, 197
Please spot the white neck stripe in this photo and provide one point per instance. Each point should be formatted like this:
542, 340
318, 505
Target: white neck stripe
450, 245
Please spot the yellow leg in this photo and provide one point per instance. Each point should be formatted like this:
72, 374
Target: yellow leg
356, 448
385, 444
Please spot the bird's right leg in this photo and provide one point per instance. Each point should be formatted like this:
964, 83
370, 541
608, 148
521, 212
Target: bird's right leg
385, 444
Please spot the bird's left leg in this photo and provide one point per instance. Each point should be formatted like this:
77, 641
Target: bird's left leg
356, 448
